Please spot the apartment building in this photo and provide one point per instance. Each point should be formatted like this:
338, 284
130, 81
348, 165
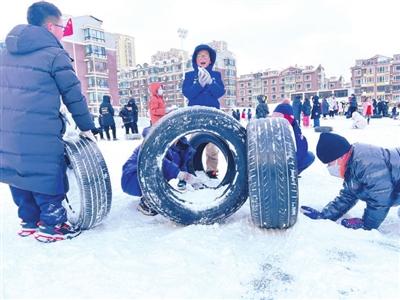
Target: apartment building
94, 59
278, 85
377, 77
125, 47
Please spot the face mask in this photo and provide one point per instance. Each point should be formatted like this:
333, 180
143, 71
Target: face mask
160, 92
334, 169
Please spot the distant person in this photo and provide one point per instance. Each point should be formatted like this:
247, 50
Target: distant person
36, 72
306, 109
359, 122
352, 106
370, 173
249, 114
107, 115
262, 110
367, 109
297, 105
316, 111
135, 111
157, 107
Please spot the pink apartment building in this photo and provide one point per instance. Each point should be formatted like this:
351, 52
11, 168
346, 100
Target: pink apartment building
94, 54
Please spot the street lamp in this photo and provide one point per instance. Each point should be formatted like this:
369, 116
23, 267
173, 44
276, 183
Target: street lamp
182, 33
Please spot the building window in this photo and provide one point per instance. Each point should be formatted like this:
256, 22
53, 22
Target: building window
95, 50
94, 35
308, 86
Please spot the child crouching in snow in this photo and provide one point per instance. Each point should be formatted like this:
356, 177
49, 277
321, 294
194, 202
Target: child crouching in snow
359, 122
370, 173
175, 162
304, 157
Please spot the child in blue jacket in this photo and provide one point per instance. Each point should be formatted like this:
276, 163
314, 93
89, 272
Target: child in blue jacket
304, 157
204, 87
370, 174
175, 165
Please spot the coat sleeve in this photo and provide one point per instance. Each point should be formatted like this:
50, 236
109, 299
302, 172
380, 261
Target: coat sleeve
189, 89
69, 87
379, 188
129, 179
341, 205
217, 88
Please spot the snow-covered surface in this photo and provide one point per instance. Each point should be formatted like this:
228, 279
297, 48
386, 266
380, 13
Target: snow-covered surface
131, 256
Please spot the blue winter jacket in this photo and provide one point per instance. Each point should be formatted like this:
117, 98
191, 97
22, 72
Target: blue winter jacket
176, 159
107, 112
210, 93
373, 176
297, 108
306, 107
35, 71
325, 107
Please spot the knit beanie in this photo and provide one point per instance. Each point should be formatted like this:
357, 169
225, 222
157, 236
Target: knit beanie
331, 146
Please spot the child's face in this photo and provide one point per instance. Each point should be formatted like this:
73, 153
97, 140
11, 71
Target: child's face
203, 59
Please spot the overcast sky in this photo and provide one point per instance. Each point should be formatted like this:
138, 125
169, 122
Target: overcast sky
261, 34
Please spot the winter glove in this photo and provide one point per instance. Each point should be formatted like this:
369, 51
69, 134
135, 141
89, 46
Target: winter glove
208, 77
194, 181
89, 134
311, 213
353, 223
202, 76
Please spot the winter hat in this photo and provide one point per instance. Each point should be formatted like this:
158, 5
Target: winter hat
287, 110
331, 146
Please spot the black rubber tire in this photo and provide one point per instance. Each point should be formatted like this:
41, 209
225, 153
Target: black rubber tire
161, 196
199, 142
89, 197
323, 129
272, 173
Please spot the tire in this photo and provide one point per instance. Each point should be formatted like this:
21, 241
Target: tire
199, 142
169, 202
323, 129
272, 173
89, 197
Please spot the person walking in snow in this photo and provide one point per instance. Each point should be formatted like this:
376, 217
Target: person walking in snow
204, 87
135, 111
262, 110
370, 174
107, 116
36, 72
156, 103
367, 109
316, 111
297, 106
126, 114
306, 109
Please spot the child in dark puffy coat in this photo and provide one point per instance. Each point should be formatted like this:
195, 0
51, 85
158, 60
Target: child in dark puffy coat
304, 157
370, 173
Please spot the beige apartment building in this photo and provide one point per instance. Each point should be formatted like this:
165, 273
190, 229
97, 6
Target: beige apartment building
377, 77
279, 85
125, 45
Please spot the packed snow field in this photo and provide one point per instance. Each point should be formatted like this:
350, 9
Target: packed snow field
138, 257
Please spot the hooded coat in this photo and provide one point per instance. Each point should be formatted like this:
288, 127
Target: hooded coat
107, 112
157, 104
262, 108
176, 159
372, 175
35, 71
210, 93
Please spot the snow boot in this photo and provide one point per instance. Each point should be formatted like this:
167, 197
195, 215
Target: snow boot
54, 233
27, 228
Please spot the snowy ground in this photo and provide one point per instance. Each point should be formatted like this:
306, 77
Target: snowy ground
131, 256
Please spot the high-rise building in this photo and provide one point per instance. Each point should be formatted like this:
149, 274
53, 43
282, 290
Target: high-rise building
94, 60
125, 46
278, 85
377, 77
